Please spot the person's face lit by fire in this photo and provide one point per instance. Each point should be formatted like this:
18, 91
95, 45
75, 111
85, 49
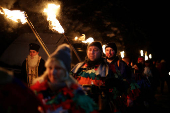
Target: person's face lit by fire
141, 61
56, 72
110, 53
93, 53
32, 53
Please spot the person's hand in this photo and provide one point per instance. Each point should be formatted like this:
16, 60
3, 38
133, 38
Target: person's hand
136, 67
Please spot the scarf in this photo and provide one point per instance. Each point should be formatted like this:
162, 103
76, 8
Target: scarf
93, 63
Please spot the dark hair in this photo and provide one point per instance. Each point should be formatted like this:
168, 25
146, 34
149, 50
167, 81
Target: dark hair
112, 45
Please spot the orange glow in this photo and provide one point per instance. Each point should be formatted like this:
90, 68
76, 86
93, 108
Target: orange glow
103, 47
146, 56
141, 52
51, 12
122, 53
76, 38
15, 15
89, 40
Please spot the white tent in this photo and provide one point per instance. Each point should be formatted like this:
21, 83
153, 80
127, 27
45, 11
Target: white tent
16, 52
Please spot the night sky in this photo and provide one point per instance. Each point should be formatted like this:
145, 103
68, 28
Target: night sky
133, 25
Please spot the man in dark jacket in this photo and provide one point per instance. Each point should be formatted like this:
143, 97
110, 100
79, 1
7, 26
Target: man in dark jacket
33, 65
104, 83
111, 50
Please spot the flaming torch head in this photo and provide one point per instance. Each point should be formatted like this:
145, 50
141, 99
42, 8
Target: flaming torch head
51, 12
14, 15
89, 40
122, 54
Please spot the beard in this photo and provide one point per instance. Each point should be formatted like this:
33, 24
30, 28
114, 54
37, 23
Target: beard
111, 58
93, 63
32, 62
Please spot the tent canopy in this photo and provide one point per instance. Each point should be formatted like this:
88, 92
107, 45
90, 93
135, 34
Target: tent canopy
18, 50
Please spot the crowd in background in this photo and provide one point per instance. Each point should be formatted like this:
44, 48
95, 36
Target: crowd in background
157, 72
99, 84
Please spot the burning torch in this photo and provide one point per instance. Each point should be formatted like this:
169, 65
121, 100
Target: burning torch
16, 15
55, 24
37, 36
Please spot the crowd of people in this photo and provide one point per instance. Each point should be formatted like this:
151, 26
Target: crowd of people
99, 84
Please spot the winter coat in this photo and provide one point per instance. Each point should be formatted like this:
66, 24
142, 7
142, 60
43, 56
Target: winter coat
102, 69
41, 69
70, 99
122, 67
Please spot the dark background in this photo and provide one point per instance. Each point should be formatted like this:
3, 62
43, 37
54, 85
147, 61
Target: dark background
133, 25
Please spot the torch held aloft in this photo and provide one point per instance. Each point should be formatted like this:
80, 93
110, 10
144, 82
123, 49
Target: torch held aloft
37, 36
72, 48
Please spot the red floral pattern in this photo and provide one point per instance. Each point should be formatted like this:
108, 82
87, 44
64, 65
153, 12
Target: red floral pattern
112, 67
39, 86
67, 93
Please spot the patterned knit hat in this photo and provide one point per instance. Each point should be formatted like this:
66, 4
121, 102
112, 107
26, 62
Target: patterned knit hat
63, 53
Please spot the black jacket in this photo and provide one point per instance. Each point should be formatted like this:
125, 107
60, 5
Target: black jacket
41, 70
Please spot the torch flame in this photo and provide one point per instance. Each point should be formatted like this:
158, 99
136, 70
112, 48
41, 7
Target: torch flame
122, 53
14, 15
76, 38
82, 38
146, 56
51, 17
89, 40
150, 56
141, 52
103, 47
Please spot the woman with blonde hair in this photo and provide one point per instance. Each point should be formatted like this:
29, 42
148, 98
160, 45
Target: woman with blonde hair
59, 91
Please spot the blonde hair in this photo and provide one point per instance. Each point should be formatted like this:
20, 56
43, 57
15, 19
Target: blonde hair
68, 79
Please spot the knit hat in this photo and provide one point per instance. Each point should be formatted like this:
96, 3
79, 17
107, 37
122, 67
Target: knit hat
97, 44
112, 45
33, 46
63, 54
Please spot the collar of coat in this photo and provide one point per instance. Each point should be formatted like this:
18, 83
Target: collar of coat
102, 70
